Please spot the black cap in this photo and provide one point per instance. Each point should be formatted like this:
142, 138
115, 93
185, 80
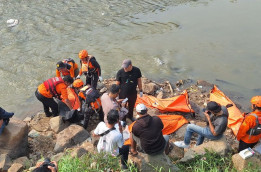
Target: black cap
213, 107
60, 65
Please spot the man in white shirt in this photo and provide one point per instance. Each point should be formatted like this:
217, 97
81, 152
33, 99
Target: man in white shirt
111, 139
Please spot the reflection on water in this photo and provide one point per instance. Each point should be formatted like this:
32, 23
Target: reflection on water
212, 40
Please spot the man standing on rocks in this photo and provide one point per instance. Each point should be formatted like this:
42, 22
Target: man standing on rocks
129, 77
250, 130
53, 87
217, 118
147, 133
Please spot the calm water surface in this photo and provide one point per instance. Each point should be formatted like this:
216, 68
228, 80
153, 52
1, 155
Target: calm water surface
216, 40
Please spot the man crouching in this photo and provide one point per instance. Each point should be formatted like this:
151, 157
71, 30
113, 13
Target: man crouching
111, 139
147, 132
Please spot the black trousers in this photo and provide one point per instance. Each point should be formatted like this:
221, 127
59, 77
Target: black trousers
243, 145
131, 103
92, 80
47, 103
124, 152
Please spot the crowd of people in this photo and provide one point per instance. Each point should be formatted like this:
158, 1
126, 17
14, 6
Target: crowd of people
118, 103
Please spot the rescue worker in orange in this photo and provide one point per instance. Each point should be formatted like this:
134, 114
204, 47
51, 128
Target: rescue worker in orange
53, 87
246, 135
67, 67
90, 68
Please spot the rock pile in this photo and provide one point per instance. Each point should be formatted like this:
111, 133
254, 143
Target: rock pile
52, 137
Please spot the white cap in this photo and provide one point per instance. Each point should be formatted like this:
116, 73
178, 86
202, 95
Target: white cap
141, 107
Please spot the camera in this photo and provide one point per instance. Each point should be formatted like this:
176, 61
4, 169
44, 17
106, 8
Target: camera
47, 163
208, 112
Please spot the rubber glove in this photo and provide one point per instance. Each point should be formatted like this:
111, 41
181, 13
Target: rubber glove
141, 93
78, 77
100, 79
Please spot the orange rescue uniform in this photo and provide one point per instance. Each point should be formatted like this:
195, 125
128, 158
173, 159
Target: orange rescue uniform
70, 72
61, 89
249, 122
86, 66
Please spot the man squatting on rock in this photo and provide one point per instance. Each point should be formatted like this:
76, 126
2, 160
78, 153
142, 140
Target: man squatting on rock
217, 118
147, 133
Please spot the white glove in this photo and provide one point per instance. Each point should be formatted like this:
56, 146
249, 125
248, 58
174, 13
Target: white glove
141, 93
100, 78
78, 77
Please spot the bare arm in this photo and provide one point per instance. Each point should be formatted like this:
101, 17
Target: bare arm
139, 84
212, 129
133, 145
118, 82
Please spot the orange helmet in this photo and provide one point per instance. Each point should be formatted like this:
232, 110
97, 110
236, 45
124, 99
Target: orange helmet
83, 54
77, 83
256, 100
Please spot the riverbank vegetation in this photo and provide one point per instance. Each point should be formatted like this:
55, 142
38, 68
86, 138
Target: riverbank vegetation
210, 162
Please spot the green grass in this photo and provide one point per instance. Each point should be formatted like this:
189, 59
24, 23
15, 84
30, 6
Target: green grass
210, 162
89, 162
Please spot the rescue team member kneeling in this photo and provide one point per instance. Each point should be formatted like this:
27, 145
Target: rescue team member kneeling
53, 87
90, 68
67, 67
250, 130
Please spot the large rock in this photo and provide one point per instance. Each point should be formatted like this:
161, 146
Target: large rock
57, 124
78, 152
88, 146
150, 88
219, 146
176, 153
5, 162
16, 167
14, 139
147, 163
240, 163
70, 137
24, 161
40, 122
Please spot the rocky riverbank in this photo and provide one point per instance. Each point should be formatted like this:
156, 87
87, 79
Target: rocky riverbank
23, 143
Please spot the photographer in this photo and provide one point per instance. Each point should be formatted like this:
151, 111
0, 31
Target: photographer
217, 118
4, 119
46, 166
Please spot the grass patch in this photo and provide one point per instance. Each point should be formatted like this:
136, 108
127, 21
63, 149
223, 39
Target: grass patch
89, 162
210, 162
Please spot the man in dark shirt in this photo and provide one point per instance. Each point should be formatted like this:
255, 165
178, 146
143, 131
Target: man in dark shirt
217, 118
147, 132
128, 78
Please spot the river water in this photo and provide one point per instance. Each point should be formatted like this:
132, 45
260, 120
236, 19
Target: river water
218, 41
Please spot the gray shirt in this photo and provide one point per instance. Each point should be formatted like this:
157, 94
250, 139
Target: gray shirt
220, 122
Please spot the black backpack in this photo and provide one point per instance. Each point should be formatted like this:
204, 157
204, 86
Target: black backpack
91, 95
257, 129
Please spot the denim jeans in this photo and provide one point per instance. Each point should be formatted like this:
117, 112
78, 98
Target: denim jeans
2, 128
202, 133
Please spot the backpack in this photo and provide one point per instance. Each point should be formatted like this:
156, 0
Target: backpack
257, 129
91, 95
